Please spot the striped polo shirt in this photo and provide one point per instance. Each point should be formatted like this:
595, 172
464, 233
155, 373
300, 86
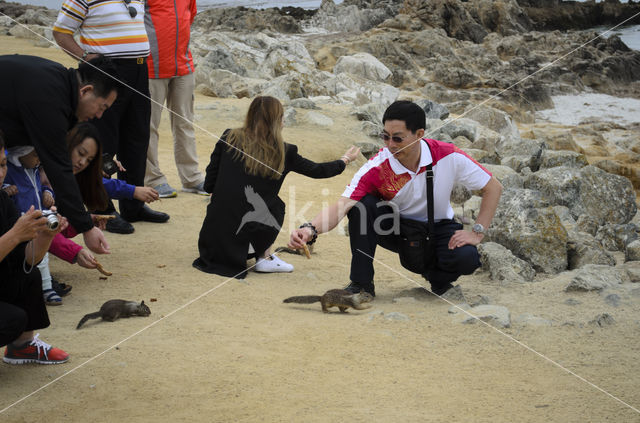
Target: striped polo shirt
386, 178
105, 27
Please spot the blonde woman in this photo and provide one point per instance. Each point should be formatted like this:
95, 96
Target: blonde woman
248, 166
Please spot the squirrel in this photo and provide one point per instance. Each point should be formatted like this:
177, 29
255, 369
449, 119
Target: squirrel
336, 298
114, 309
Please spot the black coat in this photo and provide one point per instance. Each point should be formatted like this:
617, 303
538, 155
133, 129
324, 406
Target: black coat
236, 216
37, 107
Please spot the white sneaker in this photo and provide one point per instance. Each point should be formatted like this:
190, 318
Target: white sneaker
273, 265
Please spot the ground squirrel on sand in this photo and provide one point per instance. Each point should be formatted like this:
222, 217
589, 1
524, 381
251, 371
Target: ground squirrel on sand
336, 298
114, 309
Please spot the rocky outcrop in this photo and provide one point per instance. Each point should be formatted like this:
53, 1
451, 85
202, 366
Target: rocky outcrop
547, 15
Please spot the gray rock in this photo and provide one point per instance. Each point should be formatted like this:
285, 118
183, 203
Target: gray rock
494, 119
372, 130
633, 270
433, 110
588, 190
602, 320
289, 117
454, 295
319, 119
587, 223
459, 308
551, 158
584, 249
632, 251
479, 300
567, 220
528, 319
482, 156
492, 314
520, 153
363, 65
612, 300
303, 103
403, 300
616, 237
453, 128
594, 277
396, 317
368, 149
371, 112
503, 265
572, 301
526, 225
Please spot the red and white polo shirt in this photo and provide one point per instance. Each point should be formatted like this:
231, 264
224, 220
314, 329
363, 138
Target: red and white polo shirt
386, 178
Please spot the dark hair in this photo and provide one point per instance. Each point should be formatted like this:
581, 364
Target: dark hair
1, 140
410, 113
90, 179
100, 72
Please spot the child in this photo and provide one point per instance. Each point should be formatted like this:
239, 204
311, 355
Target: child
23, 172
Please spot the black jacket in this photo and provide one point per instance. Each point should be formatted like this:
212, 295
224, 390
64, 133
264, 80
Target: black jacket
37, 107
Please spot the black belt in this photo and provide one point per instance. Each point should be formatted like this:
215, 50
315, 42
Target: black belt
133, 61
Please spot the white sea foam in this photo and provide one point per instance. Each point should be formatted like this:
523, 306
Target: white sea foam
573, 109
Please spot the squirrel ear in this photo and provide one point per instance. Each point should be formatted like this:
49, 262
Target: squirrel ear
142, 303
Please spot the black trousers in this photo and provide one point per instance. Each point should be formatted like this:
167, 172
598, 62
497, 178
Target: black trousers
124, 127
372, 222
22, 305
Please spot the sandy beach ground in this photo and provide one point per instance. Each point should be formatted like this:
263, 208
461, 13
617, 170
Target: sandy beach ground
222, 350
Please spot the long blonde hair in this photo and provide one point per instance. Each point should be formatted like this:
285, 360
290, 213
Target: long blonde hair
259, 142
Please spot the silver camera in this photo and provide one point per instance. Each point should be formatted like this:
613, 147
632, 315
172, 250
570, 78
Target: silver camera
52, 219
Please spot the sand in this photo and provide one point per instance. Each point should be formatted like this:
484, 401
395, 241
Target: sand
221, 350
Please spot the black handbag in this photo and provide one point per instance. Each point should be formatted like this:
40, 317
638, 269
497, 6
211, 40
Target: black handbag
417, 246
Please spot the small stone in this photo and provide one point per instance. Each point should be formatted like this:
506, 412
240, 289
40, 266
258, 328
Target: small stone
572, 301
612, 299
454, 295
495, 314
458, 308
395, 316
404, 300
604, 319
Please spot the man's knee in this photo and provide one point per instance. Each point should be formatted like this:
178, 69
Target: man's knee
462, 260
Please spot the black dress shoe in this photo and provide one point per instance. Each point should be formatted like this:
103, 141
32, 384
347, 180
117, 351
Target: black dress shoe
147, 215
119, 225
355, 288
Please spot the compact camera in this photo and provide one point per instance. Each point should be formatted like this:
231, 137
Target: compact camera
52, 219
109, 166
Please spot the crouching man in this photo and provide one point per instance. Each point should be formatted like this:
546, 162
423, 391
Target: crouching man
387, 205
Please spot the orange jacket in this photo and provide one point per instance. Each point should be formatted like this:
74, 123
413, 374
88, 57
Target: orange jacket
168, 25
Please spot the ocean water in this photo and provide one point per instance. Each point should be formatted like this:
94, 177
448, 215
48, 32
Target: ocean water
573, 109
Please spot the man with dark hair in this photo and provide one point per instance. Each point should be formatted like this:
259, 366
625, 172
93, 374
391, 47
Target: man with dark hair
391, 188
40, 102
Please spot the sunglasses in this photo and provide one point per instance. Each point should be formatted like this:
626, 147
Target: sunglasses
386, 137
132, 10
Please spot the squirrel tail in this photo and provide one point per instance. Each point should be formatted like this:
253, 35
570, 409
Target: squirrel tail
305, 299
86, 317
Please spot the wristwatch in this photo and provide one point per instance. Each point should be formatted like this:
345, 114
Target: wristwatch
478, 228
85, 54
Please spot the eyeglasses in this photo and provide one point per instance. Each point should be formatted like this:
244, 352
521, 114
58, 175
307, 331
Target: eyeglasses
132, 10
386, 137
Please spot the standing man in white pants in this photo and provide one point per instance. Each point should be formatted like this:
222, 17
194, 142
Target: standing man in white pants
171, 79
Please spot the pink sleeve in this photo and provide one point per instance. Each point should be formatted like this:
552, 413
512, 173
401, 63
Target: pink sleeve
64, 248
70, 232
